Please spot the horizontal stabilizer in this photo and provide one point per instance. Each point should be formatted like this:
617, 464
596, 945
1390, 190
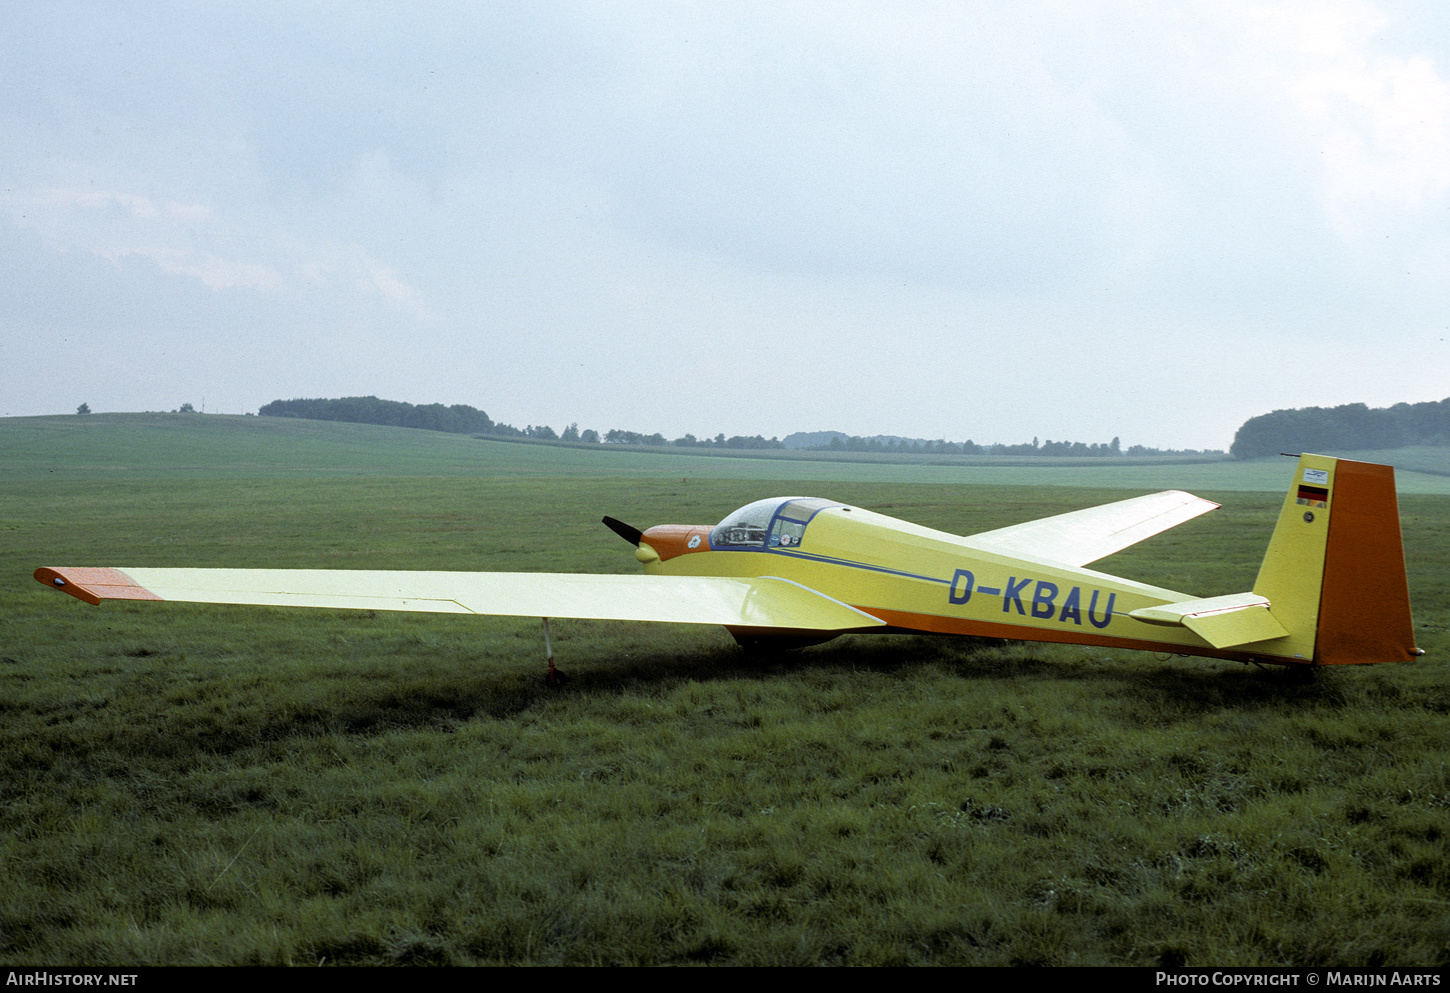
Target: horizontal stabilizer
768, 601
1084, 536
1222, 621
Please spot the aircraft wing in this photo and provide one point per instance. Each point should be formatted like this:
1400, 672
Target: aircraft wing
1084, 536
762, 602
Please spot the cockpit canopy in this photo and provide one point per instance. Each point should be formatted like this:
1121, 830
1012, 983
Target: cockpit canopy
776, 522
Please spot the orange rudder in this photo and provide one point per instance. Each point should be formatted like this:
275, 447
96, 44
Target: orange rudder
1364, 602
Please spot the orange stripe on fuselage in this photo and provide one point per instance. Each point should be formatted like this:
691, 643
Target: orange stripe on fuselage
938, 624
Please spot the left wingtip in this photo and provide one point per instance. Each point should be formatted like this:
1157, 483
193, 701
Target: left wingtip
93, 584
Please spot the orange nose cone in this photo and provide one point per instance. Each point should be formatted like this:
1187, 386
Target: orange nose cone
669, 540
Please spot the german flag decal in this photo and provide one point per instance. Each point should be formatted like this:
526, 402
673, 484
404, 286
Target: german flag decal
1313, 496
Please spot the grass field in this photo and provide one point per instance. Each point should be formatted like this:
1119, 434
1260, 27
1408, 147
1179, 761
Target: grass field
197, 446
198, 784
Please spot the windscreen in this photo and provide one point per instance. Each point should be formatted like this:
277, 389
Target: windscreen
779, 522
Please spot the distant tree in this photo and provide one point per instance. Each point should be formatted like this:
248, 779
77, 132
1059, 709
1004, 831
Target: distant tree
459, 418
84, 408
741, 441
1347, 427
186, 408
571, 433
589, 436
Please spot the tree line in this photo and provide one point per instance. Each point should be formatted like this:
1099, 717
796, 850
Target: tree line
458, 419
463, 419
1350, 427
854, 443
1069, 449
617, 437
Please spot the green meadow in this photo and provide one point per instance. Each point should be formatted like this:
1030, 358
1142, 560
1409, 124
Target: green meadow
103, 447
195, 784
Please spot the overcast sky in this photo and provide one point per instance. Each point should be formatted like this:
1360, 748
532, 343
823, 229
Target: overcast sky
945, 220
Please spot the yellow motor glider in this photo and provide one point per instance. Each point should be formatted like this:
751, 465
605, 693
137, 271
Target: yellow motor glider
797, 570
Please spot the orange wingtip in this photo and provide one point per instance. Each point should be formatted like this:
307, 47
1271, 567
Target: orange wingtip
93, 584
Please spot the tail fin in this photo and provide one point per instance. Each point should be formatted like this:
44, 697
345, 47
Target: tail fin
1334, 574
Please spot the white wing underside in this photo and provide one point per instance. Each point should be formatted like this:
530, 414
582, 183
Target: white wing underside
767, 602
1084, 536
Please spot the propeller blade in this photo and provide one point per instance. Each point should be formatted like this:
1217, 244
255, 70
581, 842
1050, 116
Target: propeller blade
629, 534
